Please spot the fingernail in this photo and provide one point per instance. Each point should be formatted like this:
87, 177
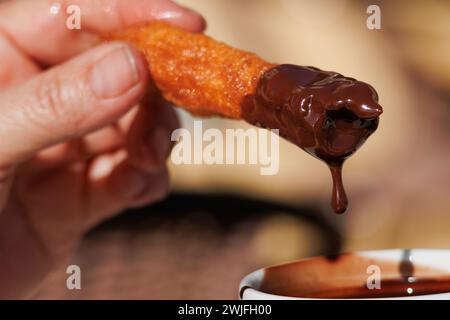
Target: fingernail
191, 12
160, 144
174, 8
114, 74
180, 15
134, 184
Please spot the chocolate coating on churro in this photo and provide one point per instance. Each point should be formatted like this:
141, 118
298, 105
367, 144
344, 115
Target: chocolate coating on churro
324, 113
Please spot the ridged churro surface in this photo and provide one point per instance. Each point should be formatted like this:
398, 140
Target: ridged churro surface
196, 72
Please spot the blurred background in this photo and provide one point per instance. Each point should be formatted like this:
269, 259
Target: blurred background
221, 222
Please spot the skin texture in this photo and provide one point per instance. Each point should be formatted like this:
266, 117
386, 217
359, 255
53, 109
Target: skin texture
83, 138
203, 75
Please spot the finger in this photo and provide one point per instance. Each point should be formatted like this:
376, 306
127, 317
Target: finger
114, 184
148, 141
105, 140
91, 193
84, 149
71, 100
109, 138
60, 43
18, 68
55, 156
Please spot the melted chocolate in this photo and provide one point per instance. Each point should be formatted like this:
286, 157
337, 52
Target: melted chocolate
347, 276
389, 289
324, 113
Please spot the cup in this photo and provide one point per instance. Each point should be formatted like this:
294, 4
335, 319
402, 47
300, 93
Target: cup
381, 274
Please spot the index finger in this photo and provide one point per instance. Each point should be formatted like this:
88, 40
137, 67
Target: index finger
39, 27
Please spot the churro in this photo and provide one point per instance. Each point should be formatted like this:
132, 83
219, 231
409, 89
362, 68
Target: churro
194, 71
326, 114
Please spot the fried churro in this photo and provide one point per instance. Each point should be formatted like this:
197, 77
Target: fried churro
196, 72
324, 113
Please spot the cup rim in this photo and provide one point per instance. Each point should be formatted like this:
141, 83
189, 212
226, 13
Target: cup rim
249, 286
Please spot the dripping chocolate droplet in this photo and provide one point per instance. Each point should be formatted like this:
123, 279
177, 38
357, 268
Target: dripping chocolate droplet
339, 200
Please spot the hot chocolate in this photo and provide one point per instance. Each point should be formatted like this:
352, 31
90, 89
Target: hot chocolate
350, 276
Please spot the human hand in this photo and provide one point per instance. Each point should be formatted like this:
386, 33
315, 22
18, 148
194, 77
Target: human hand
79, 142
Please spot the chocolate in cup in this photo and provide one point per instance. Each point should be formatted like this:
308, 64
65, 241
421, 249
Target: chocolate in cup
383, 274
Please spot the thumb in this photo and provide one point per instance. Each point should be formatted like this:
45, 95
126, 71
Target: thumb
70, 100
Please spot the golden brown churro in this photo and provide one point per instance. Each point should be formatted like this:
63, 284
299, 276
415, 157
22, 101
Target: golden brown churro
194, 71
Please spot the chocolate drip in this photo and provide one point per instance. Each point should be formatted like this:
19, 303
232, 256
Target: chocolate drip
324, 113
339, 197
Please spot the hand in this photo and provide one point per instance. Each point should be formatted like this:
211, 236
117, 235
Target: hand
74, 148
